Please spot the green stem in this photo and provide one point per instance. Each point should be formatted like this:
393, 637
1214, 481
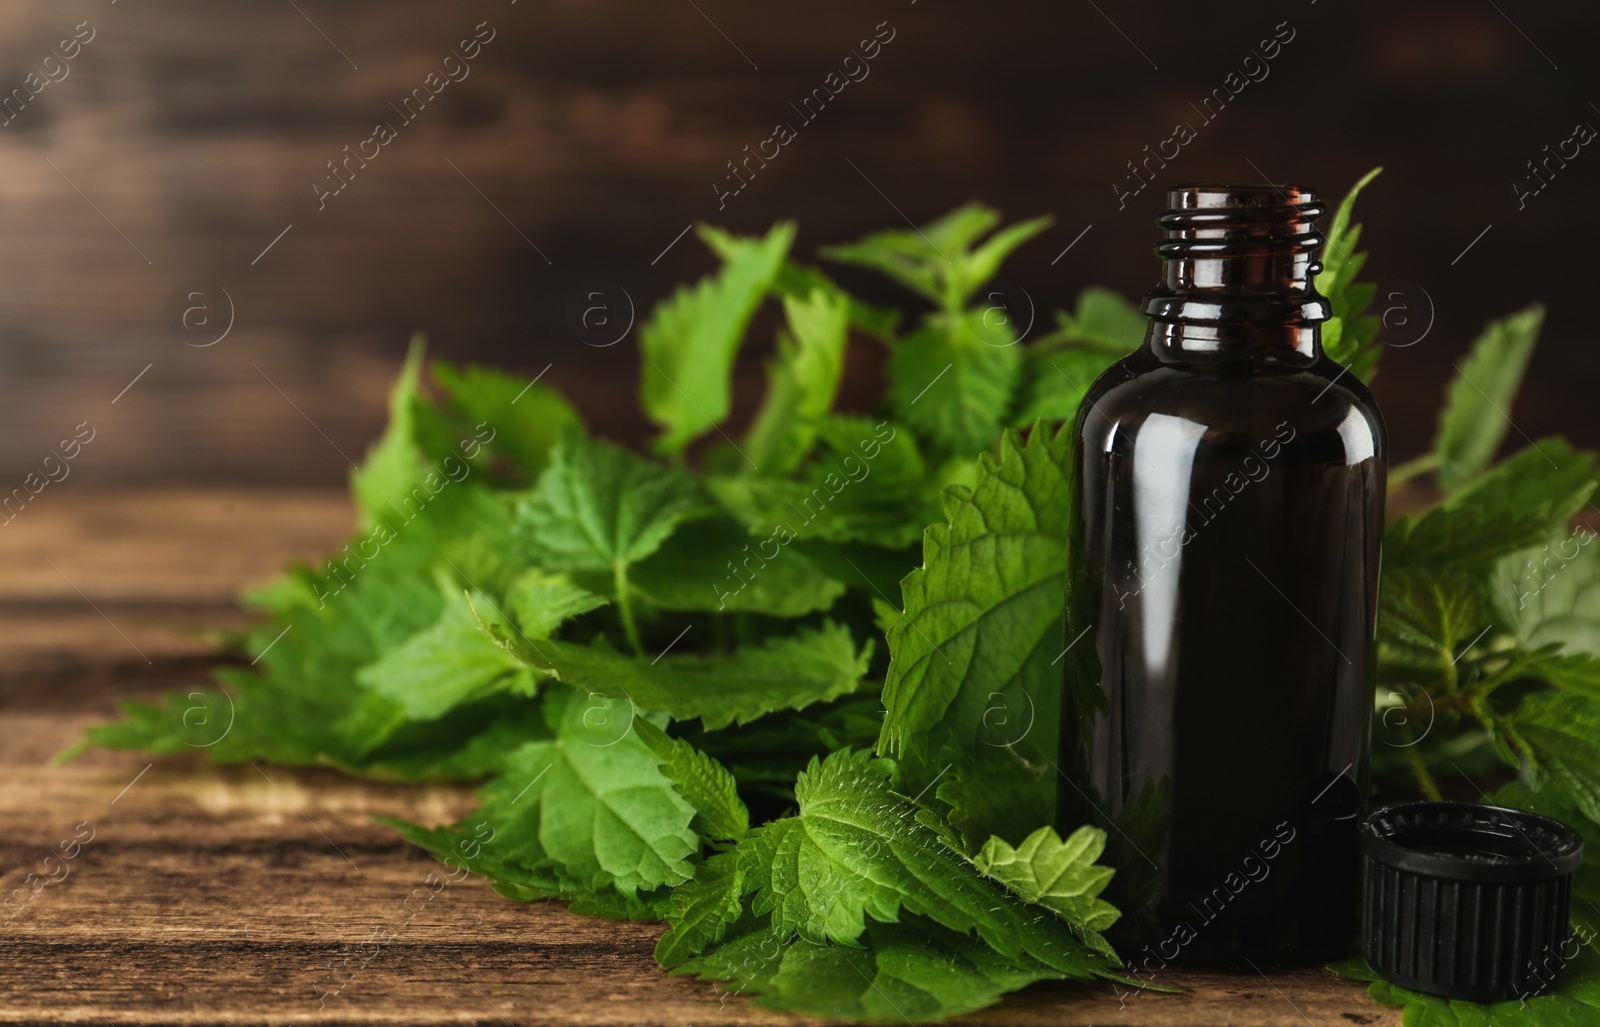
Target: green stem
1411, 468
1420, 769
619, 574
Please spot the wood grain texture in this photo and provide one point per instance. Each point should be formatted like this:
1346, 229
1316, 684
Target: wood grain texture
237, 894
188, 135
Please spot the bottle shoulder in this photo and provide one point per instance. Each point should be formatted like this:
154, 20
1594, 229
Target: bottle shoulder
1231, 402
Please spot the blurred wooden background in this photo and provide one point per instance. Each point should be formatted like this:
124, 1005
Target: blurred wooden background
186, 137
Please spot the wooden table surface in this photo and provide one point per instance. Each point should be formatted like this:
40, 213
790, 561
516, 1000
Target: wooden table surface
224, 894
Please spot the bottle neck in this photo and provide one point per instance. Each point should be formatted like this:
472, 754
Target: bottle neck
1188, 342
1239, 264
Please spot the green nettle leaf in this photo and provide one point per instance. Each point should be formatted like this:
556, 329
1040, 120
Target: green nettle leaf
1060, 875
1474, 421
747, 957
178, 723
766, 755
914, 972
300, 703
1570, 672
394, 464
1430, 607
988, 791
701, 910
720, 814
1560, 731
1552, 803
1551, 595
712, 564
541, 602
470, 846
983, 615
448, 664
527, 419
1574, 1003
647, 907
1103, 320
984, 262
1060, 367
599, 507
1429, 618
689, 343
1515, 506
1348, 336
592, 805
798, 281
814, 510
868, 482
786, 672
464, 523
1054, 382
939, 260
802, 381
466, 744
952, 384
857, 851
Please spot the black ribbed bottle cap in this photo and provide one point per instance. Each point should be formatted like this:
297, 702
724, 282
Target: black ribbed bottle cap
1464, 900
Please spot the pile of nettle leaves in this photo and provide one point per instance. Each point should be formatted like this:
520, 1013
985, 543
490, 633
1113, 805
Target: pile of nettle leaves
645, 657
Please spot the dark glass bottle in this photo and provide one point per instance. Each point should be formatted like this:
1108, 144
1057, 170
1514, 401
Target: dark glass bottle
1227, 515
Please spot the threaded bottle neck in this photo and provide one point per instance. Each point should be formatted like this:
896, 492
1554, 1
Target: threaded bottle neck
1238, 265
